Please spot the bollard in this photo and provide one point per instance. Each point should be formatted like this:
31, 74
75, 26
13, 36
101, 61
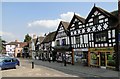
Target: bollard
32, 65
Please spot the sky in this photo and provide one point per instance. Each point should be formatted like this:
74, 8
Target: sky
21, 18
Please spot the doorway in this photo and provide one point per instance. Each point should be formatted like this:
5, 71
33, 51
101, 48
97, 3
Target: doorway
102, 59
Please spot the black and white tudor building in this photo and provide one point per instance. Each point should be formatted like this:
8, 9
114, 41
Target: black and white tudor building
101, 30
79, 40
62, 42
95, 38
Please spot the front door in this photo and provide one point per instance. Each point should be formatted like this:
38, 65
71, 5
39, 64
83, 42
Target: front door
102, 59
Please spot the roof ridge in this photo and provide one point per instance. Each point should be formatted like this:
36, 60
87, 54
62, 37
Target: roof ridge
108, 13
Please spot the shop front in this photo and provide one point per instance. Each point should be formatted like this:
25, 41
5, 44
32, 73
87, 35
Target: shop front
81, 56
102, 57
64, 54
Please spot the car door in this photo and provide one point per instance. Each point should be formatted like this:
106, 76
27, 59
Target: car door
8, 63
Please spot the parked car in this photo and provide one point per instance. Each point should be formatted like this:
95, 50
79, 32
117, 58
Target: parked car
17, 61
7, 62
14, 59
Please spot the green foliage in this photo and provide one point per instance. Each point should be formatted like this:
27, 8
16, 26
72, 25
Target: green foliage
110, 57
110, 62
27, 38
2, 44
93, 56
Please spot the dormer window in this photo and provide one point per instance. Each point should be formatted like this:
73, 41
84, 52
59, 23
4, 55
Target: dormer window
95, 20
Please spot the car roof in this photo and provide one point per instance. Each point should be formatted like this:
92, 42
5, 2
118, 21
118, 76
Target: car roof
5, 58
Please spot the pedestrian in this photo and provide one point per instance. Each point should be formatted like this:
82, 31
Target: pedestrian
49, 60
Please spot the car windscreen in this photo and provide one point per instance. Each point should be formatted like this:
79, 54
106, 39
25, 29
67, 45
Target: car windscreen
1, 59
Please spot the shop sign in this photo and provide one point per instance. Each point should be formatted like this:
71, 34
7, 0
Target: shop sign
86, 49
106, 49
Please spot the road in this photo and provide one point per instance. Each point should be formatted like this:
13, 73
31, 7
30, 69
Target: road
79, 70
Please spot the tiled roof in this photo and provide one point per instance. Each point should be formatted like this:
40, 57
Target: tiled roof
41, 38
22, 44
115, 13
49, 37
12, 43
105, 12
65, 24
80, 18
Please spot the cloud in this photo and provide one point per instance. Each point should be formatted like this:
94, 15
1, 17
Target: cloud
67, 16
36, 34
8, 36
44, 23
52, 23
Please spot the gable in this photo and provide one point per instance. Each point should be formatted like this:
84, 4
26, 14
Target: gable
61, 30
95, 13
76, 22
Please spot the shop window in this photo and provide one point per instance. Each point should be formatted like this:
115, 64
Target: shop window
78, 56
110, 59
94, 58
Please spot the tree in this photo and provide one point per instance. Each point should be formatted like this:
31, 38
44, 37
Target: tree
26, 48
2, 44
27, 38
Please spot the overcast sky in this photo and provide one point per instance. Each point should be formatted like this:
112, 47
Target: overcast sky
20, 18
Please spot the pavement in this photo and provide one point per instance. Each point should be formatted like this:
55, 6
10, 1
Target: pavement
25, 70
55, 69
79, 70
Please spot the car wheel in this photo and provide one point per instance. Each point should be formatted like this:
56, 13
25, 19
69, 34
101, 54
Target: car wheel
18, 64
14, 67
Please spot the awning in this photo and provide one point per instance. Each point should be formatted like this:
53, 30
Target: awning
62, 48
